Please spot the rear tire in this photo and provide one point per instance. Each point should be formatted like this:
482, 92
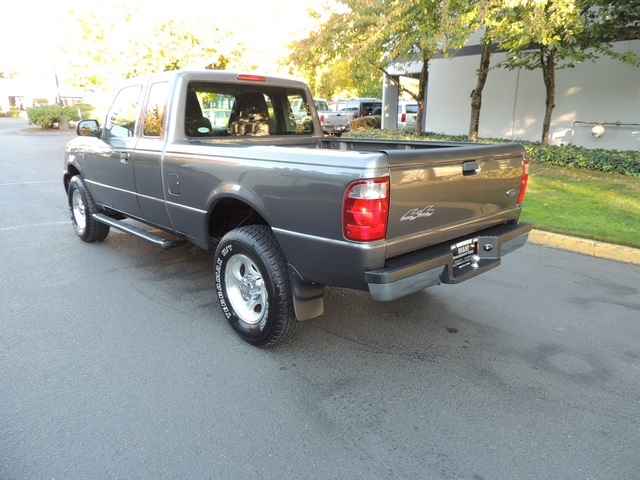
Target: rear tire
252, 286
81, 210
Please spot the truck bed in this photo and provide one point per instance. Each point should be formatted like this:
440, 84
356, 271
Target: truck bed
441, 191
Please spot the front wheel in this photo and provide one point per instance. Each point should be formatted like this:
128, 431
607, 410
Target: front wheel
81, 210
252, 286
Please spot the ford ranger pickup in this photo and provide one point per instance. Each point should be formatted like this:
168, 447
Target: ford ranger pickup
221, 160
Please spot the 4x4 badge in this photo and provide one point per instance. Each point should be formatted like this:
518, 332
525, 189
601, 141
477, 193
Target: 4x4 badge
417, 213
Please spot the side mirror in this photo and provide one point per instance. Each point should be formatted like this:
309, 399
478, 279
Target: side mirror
88, 128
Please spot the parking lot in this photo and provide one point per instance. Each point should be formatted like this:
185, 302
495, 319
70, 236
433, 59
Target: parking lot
115, 362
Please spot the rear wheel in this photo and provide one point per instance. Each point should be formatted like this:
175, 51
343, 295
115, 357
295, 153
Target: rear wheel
252, 286
81, 210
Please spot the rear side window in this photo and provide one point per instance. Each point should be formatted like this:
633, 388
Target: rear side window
221, 110
412, 108
156, 108
122, 116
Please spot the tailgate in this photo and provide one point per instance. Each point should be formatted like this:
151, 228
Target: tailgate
339, 118
439, 194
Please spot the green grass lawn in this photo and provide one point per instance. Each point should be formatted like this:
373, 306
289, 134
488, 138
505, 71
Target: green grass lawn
584, 203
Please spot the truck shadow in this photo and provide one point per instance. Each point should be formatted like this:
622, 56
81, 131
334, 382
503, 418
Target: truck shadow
418, 327
421, 326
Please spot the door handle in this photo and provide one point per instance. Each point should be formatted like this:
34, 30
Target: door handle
124, 157
470, 168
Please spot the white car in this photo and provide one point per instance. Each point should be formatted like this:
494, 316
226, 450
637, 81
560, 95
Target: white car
407, 114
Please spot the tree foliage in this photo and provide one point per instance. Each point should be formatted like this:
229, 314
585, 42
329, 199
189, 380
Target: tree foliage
325, 58
122, 42
358, 39
369, 35
548, 35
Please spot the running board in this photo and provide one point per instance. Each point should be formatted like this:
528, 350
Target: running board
138, 232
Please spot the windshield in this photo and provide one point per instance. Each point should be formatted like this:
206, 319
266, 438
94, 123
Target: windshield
321, 105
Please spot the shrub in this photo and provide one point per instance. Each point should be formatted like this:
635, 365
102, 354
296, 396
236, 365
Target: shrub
45, 116
77, 111
13, 112
623, 162
366, 123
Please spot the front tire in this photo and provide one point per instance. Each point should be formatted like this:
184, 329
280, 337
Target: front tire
252, 286
81, 210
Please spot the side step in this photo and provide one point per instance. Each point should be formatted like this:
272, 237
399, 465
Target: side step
138, 232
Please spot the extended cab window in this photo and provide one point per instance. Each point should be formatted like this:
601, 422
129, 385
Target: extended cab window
220, 110
156, 107
121, 119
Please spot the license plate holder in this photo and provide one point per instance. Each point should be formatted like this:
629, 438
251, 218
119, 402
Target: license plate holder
463, 252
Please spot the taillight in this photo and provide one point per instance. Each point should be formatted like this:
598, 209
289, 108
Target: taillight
403, 118
321, 118
524, 180
366, 208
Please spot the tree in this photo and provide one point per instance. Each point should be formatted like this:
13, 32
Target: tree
542, 34
122, 42
487, 16
173, 46
554, 34
326, 60
608, 21
378, 33
476, 93
481, 20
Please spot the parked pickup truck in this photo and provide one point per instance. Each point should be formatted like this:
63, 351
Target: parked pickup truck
286, 210
333, 123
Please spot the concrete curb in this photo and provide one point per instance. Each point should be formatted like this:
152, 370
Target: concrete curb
584, 246
38, 131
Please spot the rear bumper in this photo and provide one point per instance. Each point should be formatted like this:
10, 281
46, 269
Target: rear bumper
335, 128
418, 270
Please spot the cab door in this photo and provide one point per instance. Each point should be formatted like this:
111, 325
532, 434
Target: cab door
147, 160
109, 166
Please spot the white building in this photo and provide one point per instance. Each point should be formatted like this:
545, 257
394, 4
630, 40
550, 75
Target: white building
605, 92
24, 93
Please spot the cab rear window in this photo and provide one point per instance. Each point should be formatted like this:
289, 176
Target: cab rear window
222, 110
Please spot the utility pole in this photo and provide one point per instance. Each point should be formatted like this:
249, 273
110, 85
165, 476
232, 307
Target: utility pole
63, 124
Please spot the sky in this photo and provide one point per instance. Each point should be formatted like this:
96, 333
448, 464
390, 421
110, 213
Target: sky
31, 28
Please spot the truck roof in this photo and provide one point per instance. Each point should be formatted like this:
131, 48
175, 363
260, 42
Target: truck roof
224, 76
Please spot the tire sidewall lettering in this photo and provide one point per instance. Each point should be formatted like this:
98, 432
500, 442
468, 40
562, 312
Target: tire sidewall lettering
223, 254
223, 302
269, 284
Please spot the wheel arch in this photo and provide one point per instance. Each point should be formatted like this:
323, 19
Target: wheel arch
70, 172
230, 212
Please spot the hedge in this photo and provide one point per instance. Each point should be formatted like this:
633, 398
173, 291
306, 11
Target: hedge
46, 116
366, 123
626, 162
13, 112
77, 111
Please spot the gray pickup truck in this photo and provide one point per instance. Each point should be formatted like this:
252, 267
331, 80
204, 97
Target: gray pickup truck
219, 159
333, 123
